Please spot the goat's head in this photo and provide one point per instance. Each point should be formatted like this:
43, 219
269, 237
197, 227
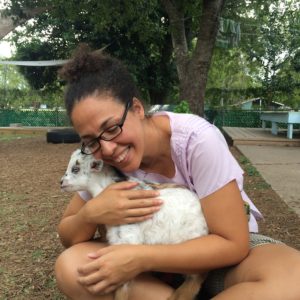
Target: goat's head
79, 171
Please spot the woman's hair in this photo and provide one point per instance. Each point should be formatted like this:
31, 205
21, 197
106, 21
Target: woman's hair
93, 72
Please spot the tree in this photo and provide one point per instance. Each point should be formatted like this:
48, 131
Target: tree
165, 43
37, 77
142, 43
193, 64
10, 80
288, 83
8, 22
270, 31
231, 78
261, 64
138, 29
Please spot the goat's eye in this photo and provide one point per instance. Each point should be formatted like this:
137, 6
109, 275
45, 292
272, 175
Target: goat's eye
75, 169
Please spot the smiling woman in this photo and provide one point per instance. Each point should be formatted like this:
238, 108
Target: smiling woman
108, 114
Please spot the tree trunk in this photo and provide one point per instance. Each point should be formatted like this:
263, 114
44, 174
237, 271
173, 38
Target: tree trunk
159, 92
192, 71
9, 23
179, 42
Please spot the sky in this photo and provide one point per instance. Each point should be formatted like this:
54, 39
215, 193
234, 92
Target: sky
1, 4
5, 48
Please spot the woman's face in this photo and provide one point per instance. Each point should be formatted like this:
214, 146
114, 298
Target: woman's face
94, 114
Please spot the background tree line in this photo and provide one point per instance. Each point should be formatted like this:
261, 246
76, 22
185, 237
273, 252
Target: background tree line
176, 50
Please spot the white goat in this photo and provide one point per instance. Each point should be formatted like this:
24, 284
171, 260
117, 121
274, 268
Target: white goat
180, 217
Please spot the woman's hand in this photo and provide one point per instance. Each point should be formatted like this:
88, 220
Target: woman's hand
111, 267
120, 204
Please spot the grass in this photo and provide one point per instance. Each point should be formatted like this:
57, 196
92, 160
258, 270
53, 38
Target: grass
280, 221
248, 167
14, 136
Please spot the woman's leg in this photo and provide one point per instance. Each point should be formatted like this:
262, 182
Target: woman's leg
143, 287
270, 272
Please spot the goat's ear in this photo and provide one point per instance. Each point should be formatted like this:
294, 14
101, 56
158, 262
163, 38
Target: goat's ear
96, 165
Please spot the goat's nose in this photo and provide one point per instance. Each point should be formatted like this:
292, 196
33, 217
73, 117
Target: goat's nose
62, 179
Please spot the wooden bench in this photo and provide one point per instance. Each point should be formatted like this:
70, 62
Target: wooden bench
288, 117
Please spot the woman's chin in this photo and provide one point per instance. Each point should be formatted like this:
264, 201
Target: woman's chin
129, 167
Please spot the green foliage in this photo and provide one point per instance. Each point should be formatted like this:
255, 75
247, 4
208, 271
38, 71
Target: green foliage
248, 167
182, 107
13, 86
38, 77
296, 62
272, 42
133, 31
231, 78
25, 98
10, 78
264, 64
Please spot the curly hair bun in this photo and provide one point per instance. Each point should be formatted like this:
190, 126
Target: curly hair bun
83, 62
93, 72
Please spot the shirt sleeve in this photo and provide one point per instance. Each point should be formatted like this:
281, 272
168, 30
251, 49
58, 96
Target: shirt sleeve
86, 196
210, 163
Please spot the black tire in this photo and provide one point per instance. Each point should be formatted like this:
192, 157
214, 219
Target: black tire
66, 135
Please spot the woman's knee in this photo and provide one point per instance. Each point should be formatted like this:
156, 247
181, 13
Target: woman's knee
66, 275
65, 272
290, 277
274, 268
67, 264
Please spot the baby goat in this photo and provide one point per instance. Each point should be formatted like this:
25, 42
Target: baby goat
180, 218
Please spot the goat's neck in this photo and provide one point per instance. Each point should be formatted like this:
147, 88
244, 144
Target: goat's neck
99, 181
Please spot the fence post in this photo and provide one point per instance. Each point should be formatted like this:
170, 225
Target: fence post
56, 119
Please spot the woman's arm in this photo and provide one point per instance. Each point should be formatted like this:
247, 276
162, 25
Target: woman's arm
227, 244
73, 227
117, 204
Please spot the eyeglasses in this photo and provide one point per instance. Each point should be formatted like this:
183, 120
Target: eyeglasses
106, 135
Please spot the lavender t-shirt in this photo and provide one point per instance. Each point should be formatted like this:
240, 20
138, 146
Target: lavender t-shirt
202, 160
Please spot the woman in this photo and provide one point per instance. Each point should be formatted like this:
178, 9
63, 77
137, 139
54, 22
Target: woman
105, 109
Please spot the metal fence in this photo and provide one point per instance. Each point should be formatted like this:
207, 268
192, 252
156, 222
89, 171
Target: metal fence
234, 118
56, 118
40, 118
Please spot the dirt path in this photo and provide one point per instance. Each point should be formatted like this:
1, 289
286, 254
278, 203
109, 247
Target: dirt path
32, 204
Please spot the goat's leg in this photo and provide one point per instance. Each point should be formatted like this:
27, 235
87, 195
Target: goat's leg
189, 288
122, 292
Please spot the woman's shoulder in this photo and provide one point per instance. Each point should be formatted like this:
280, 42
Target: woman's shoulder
184, 123
189, 131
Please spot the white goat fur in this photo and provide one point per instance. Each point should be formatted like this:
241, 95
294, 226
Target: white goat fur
180, 217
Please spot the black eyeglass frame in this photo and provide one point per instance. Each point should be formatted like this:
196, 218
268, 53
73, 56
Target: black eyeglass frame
100, 136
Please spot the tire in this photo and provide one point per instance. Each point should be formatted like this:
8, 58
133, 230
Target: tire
67, 136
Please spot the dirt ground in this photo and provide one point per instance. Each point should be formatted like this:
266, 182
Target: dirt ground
32, 204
